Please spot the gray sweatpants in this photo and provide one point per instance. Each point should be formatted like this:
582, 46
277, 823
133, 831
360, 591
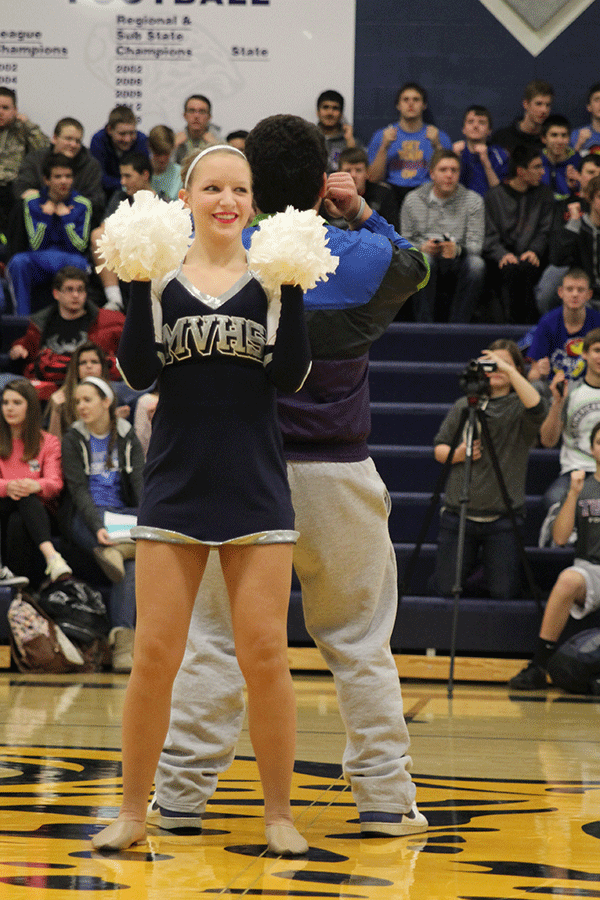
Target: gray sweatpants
346, 565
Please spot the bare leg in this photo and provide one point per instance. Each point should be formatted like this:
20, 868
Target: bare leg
258, 580
167, 580
569, 588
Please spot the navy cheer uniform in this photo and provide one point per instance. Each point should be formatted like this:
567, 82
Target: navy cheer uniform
215, 470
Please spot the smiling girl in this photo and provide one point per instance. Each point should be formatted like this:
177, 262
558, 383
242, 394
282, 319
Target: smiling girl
215, 477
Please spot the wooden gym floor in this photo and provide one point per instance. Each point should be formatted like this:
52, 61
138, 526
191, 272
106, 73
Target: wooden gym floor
510, 785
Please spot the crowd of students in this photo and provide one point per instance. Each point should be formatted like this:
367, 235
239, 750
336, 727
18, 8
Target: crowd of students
509, 221
532, 210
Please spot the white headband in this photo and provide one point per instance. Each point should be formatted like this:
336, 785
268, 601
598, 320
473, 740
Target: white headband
210, 150
101, 385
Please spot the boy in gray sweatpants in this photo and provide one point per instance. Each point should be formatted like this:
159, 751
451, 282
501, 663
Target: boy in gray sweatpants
344, 557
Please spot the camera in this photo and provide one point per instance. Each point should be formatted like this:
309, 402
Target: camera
474, 381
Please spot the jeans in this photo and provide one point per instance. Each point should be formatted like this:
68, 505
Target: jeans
546, 290
121, 607
463, 276
515, 283
499, 555
557, 491
26, 270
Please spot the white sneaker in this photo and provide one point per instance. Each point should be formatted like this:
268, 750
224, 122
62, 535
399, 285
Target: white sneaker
114, 305
181, 824
57, 567
393, 824
7, 579
121, 641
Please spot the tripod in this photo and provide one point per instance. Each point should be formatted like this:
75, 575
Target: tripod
473, 413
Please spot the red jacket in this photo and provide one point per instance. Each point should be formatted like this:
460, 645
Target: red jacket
44, 365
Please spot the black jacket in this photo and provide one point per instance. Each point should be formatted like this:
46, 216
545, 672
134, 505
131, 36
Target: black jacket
578, 244
76, 471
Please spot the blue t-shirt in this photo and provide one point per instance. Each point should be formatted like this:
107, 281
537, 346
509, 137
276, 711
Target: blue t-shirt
408, 156
104, 484
472, 173
552, 339
592, 145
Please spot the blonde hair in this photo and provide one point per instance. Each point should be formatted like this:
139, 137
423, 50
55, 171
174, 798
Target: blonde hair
189, 163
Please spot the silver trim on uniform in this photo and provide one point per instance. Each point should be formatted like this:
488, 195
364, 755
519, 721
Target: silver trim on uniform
208, 299
150, 533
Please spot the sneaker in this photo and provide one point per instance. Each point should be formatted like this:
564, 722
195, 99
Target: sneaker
531, 678
111, 562
179, 823
393, 824
114, 305
121, 641
7, 579
58, 567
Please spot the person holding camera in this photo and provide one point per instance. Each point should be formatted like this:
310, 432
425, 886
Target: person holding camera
514, 411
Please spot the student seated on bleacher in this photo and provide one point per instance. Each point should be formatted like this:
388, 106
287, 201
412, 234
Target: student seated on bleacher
518, 219
87, 174
572, 415
378, 195
30, 483
565, 211
88, 359
557, 339
102, 463
482, 165
446, 222
514, 412
55, 332
136, 175
57, 233
577, 242
577, 589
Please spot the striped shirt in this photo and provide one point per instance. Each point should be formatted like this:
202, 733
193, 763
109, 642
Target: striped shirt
460, 216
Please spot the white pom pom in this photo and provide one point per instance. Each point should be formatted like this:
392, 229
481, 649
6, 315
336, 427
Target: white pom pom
146, 239
291, 248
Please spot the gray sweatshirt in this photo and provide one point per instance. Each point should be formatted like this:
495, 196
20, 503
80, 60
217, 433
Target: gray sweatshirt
460, 216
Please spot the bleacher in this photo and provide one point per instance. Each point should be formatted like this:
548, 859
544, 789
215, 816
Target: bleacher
414, 380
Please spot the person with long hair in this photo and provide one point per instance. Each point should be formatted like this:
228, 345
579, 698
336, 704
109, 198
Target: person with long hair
30, 483
88, 359
102, 464
215, 477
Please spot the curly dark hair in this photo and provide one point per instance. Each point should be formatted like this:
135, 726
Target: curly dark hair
288, 158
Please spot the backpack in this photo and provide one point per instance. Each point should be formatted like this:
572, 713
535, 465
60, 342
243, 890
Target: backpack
575, 666
37, 644
76, 608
